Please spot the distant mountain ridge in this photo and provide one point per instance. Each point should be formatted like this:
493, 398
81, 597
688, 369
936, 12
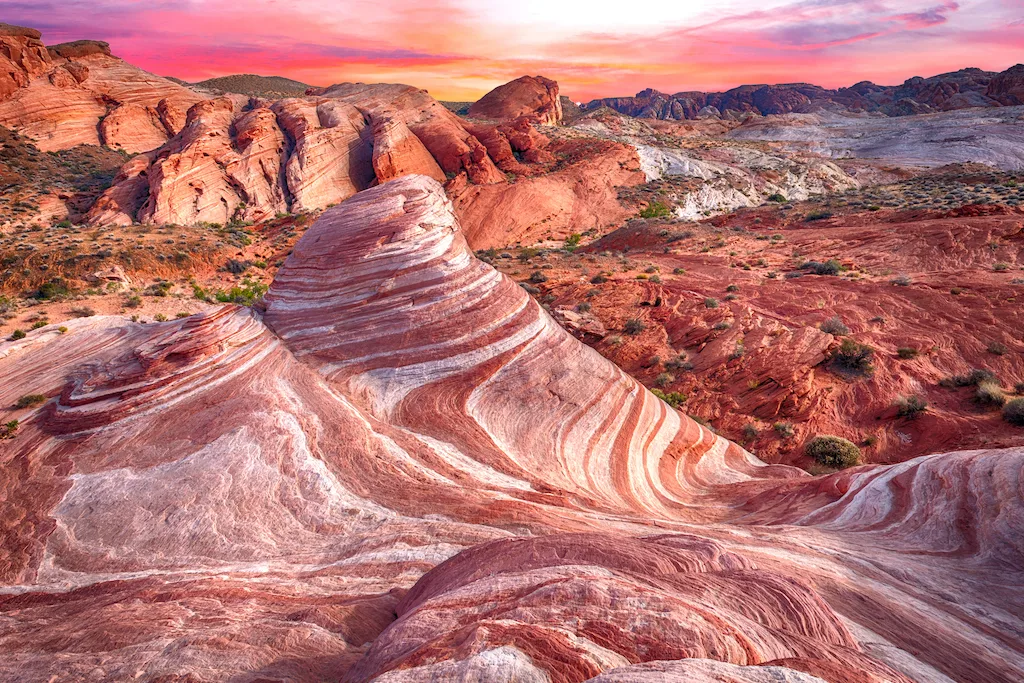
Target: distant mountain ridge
956, 90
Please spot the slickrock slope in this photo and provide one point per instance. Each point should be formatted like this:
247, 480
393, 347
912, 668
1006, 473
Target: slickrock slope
249, 160
534, 97
957, 90
404, 470
78, 93
988, 136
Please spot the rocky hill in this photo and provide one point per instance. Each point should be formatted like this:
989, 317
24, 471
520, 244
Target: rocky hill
258, 86
957, 90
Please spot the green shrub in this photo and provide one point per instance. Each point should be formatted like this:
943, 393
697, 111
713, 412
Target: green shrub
784, 429
56, 288
160, 318
750, 432
973, 378
573, 241
655, 210
536, 277
910, 406
833, 451
673, 398
710, 302
907, 352
777, 198
664, 379
8, 429
598, 279
854, 357
29, 400
830, 267
818, 215
1013, 412
16, 335
634, 326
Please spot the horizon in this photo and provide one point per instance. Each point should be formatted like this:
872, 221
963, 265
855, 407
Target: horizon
459, 51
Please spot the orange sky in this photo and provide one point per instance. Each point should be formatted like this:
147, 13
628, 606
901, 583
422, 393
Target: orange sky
593, 48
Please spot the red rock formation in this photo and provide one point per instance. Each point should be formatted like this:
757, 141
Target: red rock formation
351, 136
77, 93
404, 470
1008, 87
534, 97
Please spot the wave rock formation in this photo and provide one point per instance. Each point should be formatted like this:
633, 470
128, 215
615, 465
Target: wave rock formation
404, 470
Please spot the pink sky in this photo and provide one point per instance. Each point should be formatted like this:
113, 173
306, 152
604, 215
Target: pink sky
458, 49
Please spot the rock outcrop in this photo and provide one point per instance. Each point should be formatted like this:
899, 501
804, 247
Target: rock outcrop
534, 97
405, 470
78, 93
1008, 87
957, 90
238, 159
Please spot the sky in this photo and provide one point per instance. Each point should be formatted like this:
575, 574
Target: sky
460, 49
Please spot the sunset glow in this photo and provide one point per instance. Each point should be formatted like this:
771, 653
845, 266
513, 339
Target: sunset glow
460, 49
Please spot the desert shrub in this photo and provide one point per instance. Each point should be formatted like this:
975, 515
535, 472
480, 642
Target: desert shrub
835, 326
833, 451
907, 352
236, 267
40, 323
997, 348
710, 302
160, 318
598, 279
656, 279
989, 393
159, 288
1001, 267
830, 267
573, 241
583, 307
246, 294
732, 288
29, 400
1013, 412
655, 210
664, 379
82, 312
8, 429
537, 277
901, 281
134, 301
973, 378
784, 429
634, 326
680, 362
853, 356
530, 289
56, 288
818, 215
777, 198
910, 406
527, 253
750, 432
673, 398
679, 271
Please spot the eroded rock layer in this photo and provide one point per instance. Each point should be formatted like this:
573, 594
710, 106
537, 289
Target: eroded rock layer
404, 470
78, 93
248, 159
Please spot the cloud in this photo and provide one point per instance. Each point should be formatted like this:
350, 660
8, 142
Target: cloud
452, 47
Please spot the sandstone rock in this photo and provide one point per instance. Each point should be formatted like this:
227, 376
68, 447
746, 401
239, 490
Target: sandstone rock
535, 97
114, 274
404, 468
61, 96
397, 152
